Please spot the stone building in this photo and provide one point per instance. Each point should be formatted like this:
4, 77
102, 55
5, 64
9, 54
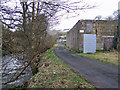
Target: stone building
101, 28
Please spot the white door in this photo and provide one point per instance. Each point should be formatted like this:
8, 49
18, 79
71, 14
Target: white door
89, 43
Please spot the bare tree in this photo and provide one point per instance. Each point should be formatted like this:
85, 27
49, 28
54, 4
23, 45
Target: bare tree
109, 18
30, 21
115, 14
99, 17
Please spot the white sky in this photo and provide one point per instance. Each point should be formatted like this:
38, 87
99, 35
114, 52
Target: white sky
103, 7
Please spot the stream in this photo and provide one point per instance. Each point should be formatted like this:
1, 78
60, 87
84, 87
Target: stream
10, 66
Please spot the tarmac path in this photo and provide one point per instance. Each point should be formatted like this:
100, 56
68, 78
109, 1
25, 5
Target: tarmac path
98, 74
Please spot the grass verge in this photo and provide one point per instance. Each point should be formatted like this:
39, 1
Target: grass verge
54, 73
108, 57
103, 56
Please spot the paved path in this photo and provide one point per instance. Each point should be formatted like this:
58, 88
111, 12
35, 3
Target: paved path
99, 74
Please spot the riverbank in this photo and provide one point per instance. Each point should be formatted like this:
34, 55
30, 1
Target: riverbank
54, 73
11, 65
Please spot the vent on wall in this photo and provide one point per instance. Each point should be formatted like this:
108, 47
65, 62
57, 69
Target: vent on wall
81, 31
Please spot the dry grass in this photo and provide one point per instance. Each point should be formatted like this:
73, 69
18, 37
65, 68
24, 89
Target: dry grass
53, 73
109, 57
104, 56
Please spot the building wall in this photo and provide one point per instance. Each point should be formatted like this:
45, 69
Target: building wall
99, 27
104, 28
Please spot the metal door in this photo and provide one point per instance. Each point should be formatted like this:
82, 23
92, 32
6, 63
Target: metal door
89, 43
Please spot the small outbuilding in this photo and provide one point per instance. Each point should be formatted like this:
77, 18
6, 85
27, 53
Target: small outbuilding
87, 35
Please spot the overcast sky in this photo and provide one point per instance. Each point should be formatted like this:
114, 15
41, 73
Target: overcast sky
103, 7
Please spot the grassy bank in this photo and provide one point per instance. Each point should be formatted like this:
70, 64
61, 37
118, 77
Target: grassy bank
54, 73
108, 57
103, 56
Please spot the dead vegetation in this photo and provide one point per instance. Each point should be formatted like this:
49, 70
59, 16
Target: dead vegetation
53, 73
